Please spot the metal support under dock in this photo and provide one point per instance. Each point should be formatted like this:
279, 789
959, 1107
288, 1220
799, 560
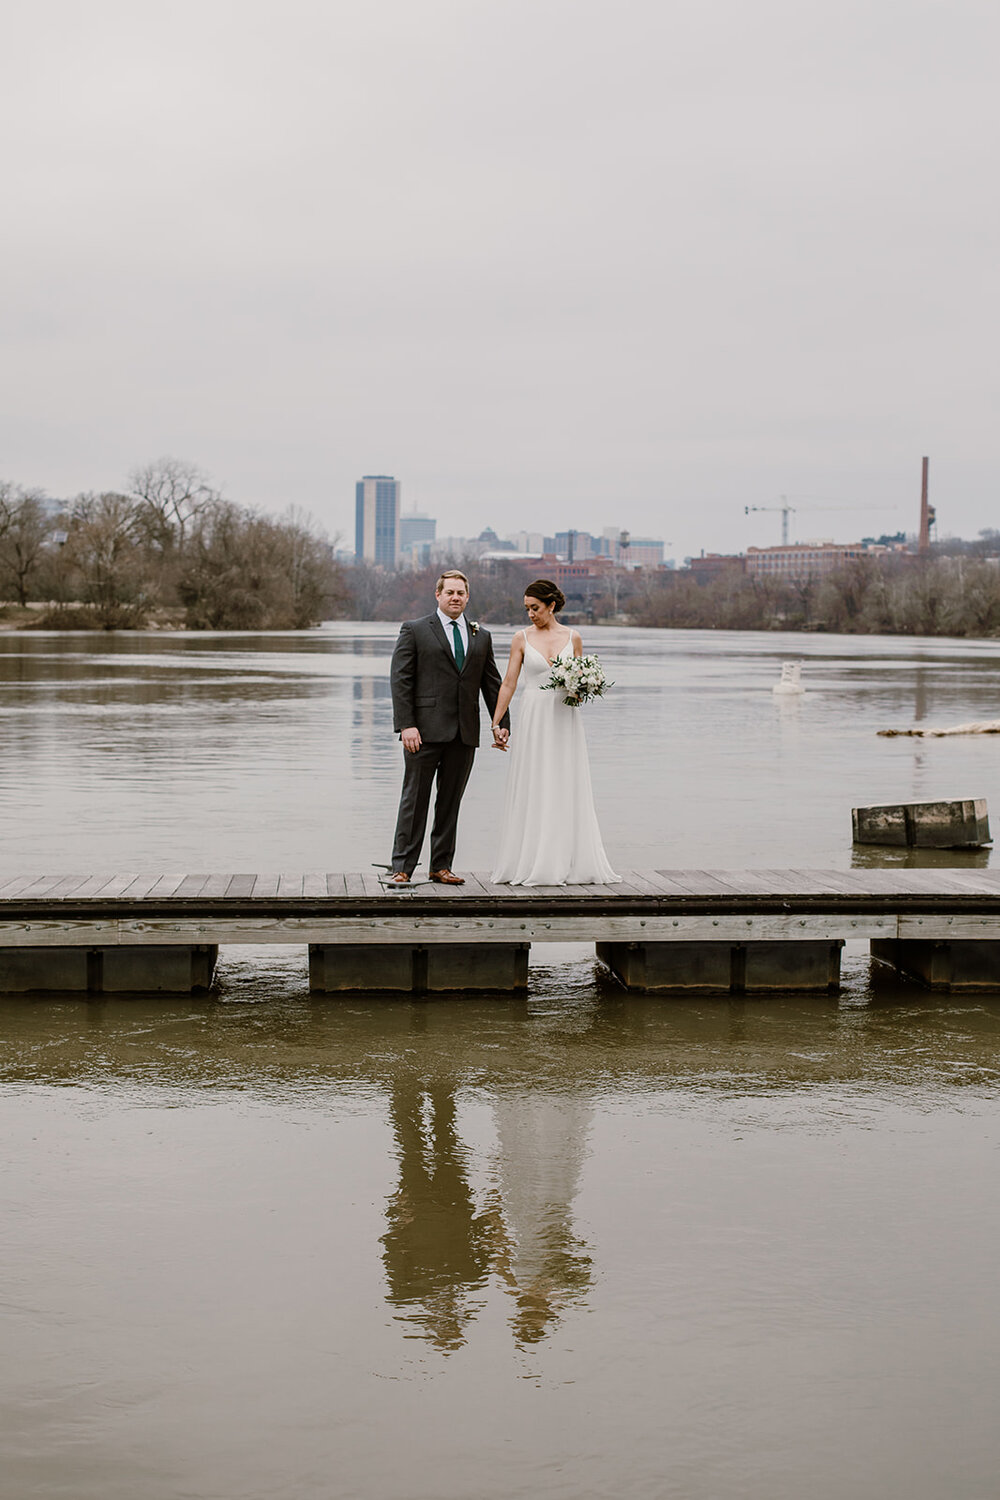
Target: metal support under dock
660, 931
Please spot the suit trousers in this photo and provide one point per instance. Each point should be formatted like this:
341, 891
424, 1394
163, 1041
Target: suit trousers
451, 763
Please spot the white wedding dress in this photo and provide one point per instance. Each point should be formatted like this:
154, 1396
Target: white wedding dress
549, 833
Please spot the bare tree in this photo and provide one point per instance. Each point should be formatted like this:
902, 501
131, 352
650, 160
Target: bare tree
244, 571
25, 529
106, 551
171, 495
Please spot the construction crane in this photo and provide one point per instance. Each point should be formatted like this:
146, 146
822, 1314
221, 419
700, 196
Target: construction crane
787, 510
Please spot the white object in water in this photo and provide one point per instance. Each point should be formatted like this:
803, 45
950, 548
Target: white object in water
791, 672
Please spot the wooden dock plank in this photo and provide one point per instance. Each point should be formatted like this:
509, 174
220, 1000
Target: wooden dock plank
716, 882
140, 886
822, 883
489, 889
674, 882
908, 882
165, 885
91, 887
113, 886
752, 883
650, 883
65, 887
31, 886
976, 882
932, 889
833, 882
773, 882
645, 883
695, 882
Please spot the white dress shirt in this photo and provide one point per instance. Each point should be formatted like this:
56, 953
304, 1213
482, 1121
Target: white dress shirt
463, 630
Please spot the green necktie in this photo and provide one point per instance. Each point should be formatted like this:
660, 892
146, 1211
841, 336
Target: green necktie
459, 648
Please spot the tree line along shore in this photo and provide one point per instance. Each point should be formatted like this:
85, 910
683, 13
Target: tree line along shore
168, 550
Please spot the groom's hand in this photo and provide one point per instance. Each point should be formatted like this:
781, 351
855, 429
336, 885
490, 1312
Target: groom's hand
411, 740
500, 738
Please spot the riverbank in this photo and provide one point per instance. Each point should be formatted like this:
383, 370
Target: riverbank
46, 615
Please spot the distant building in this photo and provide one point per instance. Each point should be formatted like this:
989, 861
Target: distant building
712, 565
800, 561
376, 520
488, 541
614, 547
629, 551
416, 536
578, 546
639, 552
529, 541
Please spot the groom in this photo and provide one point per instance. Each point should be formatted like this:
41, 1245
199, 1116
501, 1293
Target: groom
439, 667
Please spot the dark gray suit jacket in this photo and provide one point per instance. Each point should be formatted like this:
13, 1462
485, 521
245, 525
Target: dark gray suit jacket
428, 690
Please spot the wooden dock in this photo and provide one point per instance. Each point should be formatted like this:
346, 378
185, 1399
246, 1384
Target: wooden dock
683, 931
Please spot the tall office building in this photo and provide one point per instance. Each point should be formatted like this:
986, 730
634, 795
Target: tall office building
416, 533
376, 520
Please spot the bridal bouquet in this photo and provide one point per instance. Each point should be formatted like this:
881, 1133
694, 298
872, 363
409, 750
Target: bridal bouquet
578, 678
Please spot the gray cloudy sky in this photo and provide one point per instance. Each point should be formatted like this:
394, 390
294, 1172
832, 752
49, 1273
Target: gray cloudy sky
549, 262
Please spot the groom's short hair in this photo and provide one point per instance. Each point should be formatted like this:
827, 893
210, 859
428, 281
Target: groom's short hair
451, 573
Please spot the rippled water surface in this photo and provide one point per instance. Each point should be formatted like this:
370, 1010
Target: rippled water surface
261, 1244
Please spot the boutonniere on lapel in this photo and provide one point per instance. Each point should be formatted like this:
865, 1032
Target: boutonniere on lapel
473, 627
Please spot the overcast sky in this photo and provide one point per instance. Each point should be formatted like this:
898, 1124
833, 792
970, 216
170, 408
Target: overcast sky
549, 262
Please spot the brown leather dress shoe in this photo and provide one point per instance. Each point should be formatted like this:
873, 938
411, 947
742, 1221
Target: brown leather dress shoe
446, 877
398, 877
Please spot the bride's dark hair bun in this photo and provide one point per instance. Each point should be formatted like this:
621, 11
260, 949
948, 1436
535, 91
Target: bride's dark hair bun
546, 592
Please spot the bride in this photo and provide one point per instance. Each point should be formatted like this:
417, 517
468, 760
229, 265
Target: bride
549, 834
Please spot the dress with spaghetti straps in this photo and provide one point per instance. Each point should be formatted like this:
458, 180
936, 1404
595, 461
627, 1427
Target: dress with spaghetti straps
549, 833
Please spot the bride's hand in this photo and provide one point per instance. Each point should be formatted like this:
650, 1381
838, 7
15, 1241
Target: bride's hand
500, 737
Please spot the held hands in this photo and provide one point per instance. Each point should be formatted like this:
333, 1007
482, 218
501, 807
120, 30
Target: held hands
500, 737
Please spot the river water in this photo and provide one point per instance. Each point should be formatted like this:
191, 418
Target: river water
259, 1244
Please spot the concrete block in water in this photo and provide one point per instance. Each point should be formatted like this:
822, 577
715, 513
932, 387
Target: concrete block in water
171, 969
683, 968
924, 825
348, 967
792, 966
480, 966
25, 969
965, 965
433, 969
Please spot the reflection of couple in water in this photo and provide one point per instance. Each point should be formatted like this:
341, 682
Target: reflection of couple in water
441, 666
441, 1249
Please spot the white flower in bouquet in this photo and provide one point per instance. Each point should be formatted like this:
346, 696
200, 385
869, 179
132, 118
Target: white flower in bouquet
578, 678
